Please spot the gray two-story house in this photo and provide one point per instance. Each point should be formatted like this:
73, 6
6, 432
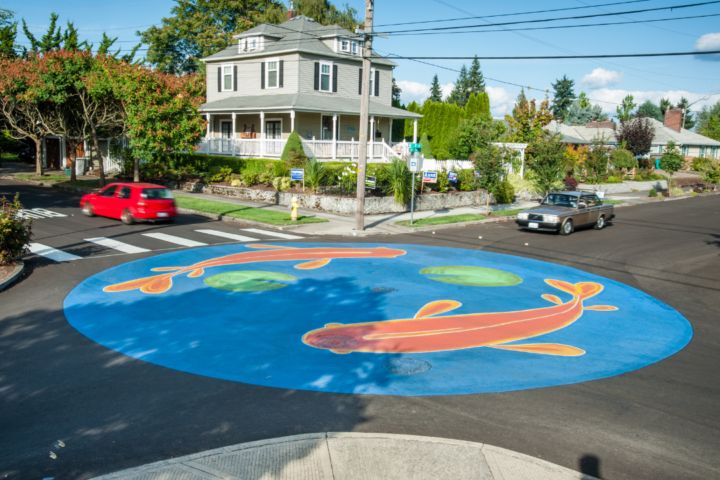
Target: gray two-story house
297, 76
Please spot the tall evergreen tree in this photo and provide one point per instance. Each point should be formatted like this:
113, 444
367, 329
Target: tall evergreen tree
584, 100
689, 120
477, 105
8, 34
52, 40
703, 116
459, 94
415, 108
476, 82
396, 91
649, 109
564, 96
664, 105
624, 111
519, 102
435, 90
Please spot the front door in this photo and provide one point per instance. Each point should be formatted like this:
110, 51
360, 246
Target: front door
226, 129
52, 152
326, 131
273, 130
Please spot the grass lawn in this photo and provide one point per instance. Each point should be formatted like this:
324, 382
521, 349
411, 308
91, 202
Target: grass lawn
501, 213
612, 202
423, 222
45, 178
239, 211
63, 180
10, 157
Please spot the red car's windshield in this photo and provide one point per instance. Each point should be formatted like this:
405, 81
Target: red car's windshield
157, 194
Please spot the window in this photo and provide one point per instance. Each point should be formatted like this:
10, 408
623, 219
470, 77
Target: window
354, 48
253, 43
686, 150
125, 192
659, 148
272, 74
714, 153
372, 82
702, 152
157, 194
325, 83
344, 45
108, 192
227, 80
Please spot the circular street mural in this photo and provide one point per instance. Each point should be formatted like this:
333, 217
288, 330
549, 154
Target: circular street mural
374, 318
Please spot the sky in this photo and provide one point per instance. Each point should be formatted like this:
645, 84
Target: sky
606, 81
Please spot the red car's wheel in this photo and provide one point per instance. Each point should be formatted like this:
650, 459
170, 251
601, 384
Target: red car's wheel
88, 209
127, 217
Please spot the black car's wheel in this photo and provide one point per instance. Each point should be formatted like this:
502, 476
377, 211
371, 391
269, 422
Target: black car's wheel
600, 224
88, 209
567, 227
127, 217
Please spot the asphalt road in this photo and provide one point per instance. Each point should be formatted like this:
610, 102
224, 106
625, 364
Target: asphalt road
114, 412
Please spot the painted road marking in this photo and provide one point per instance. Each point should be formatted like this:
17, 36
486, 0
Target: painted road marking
38, 213
231, 236
272, 234
176, 240
114, 244
51, 253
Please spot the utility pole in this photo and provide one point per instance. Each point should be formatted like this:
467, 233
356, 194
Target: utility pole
364, 116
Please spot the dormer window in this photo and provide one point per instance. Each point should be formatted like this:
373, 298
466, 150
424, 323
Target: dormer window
344, 46
250, 43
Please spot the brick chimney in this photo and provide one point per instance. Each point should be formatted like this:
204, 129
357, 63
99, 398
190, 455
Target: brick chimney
291, 13
596, 124
674, 118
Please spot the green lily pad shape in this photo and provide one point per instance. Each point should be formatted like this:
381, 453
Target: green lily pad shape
248, 281
473, 276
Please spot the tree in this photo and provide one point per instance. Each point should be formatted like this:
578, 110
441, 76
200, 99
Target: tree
489, 161
476, 82
520, 100
637, 135
409, 123
564, 96
623, 158
688, 121
649, 109
596, 160
398, 126
624, 111
584, 100
396, 91
664, 105
435, 90
5, 16
8, 35
579, 115
671, 161
547, 162
526, 124
711, 129
426, 148
473, 133
293, 144
703, 116
477, 105
52, 40
459, 94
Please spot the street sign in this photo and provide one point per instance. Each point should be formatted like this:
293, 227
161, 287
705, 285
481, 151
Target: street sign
415, 162
452, 176
429, 177
297, 174
414, 147
370, 182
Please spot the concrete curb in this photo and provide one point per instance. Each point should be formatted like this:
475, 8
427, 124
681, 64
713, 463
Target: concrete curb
428, 228
37, 183
348, 455
242, 221
17, 271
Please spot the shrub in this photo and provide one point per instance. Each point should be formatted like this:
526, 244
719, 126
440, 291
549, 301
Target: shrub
466, 180
236, 183
520, 184
296, 159
279, 169
613, 179
570, 181
652, 193
292, 146
251, 178
315, 173
699, 164
504, 193
622, 158
677, 191
399, 182
220, 174
282, 183
426, 149
15, 231
711, 172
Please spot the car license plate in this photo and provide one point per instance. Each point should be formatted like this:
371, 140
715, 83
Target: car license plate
533, 225
162, 214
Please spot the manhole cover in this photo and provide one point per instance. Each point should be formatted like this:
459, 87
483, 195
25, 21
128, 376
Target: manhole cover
334, 342
408, 366
383, 289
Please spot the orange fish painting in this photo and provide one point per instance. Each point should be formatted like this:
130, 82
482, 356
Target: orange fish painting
318, 257
427, 332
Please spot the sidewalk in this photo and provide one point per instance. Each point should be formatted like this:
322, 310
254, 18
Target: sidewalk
353, 456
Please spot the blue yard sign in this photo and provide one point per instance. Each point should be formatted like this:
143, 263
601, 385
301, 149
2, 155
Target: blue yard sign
297, 174
452, 176
477, 174
430, 177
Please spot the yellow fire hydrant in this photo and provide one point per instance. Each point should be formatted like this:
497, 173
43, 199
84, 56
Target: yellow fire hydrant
294, 209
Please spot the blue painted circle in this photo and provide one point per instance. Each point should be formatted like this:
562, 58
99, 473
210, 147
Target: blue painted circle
256, 337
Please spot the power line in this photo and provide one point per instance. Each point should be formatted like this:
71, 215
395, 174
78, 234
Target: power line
509, 14
561, 57
94, 8
554, 19
653, 26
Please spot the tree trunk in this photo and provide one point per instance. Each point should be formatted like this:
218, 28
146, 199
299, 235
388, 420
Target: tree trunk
38, 156
73, 160
97, 149
136, 169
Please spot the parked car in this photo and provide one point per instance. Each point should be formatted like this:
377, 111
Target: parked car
564, 211
131, 202
27, 155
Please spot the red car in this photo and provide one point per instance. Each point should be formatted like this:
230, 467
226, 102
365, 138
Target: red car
131, 202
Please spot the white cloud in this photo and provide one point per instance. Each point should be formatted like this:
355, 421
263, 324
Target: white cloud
500, 101
601, 77
640, 97
709, 41
420, 91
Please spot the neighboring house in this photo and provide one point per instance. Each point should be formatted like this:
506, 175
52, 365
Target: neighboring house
57, 154
691, 144
299, 76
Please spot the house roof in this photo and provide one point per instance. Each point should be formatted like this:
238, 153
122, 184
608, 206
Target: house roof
303, 103
580, 134
300, 34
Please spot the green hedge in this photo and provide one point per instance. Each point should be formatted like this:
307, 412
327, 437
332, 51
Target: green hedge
203, 163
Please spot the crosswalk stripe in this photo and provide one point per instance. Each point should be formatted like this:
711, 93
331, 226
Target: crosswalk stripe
176, 240
231, 236
114, 244
51, 253
272, 234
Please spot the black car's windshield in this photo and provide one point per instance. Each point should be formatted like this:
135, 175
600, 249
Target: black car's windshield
157, 193
560, 200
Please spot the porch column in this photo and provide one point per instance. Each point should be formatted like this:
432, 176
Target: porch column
63, 151
292, 121
415, 130
334, 148
522, 163
390, 120
207, 134
262, 134
371, 148
234, 135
